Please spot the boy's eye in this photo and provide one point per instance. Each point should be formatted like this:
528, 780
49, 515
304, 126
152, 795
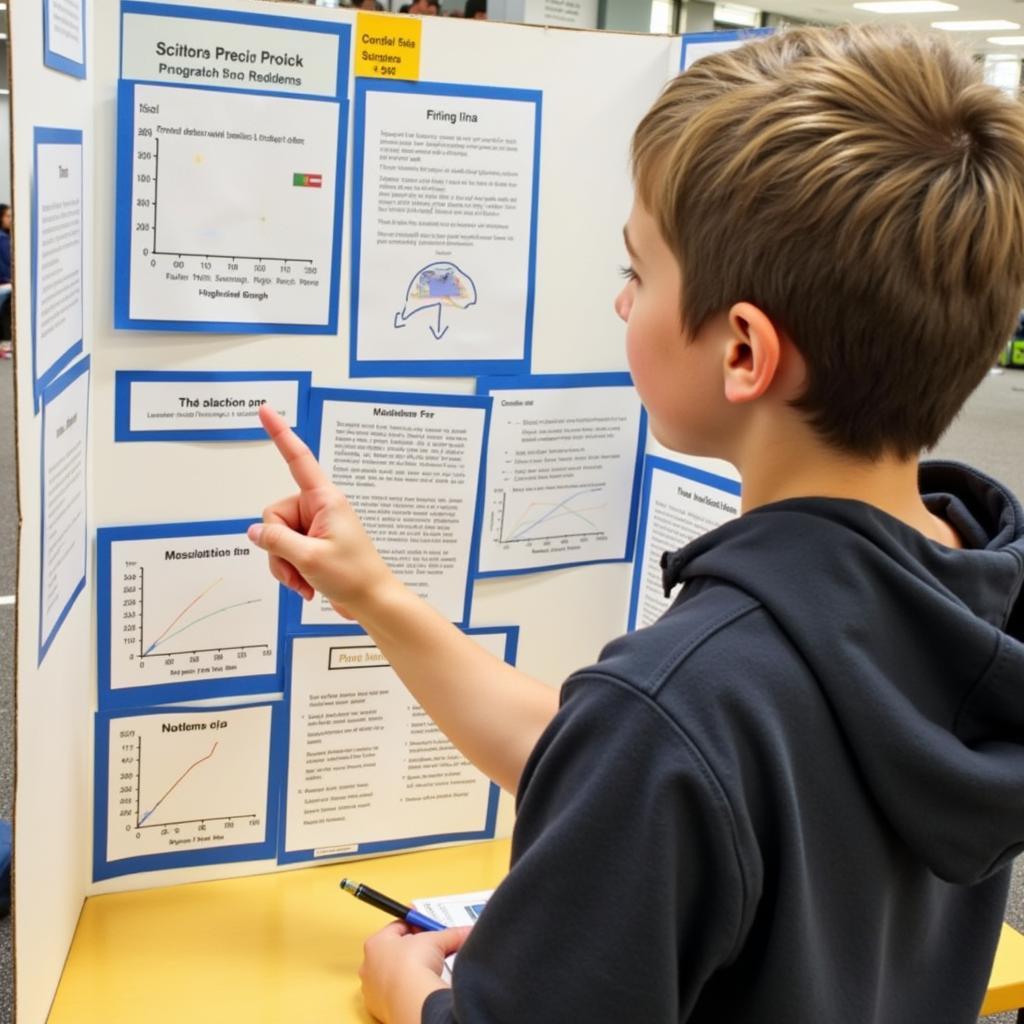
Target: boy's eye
629, 273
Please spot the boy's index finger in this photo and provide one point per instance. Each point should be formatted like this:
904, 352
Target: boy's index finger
302, 464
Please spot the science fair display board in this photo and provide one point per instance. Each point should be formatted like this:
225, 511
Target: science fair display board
405, 236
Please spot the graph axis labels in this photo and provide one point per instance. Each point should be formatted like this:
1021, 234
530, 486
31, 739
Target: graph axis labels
132, 835
186, 611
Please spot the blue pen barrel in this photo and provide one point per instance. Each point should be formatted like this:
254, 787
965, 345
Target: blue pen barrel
427, 924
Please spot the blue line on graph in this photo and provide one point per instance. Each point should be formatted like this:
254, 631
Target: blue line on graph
551, 511
188, 625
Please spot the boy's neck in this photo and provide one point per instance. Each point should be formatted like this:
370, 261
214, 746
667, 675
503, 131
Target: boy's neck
777, 472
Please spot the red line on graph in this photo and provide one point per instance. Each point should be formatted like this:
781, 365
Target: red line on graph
180, 777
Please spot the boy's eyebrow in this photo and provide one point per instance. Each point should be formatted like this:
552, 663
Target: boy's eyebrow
625, 238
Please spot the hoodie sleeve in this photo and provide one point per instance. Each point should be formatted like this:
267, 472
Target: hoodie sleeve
626, 891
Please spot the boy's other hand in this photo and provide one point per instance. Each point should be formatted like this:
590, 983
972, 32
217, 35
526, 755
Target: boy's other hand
402, 967
314, 538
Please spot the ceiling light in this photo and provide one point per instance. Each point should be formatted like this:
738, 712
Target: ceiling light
1007, 40
974, 26
737, 14
905, 6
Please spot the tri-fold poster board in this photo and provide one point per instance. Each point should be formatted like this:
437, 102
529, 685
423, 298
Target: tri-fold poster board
221, 204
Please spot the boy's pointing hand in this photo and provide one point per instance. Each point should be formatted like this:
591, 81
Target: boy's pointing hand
314, 538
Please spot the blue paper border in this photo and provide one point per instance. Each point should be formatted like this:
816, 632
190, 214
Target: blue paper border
103, 869
700, 476
742, 35
57, 61
437, 367
53, 137
487, 385
49, 393
388, 845
167, 692
314, 422
124, 379
125, 140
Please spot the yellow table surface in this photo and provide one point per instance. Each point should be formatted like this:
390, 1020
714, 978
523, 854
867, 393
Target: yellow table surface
1006, 986
274, 948
287, 946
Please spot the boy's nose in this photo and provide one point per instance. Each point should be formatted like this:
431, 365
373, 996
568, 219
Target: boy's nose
623, 303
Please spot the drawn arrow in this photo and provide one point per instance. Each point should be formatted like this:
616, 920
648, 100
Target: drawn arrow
439, 334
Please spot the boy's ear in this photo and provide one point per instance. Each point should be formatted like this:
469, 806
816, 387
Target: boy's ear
753, 353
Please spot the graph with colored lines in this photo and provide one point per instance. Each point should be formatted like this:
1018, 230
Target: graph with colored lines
187, 779
555, 515
562, 461
188, 613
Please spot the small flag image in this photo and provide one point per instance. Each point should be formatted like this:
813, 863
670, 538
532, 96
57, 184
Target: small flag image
307, 180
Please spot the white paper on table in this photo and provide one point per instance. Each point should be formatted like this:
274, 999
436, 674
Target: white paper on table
453, 912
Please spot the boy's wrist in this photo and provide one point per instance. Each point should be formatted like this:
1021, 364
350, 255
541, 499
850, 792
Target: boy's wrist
378, 604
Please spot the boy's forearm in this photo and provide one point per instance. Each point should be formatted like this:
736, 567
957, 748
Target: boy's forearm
490, 710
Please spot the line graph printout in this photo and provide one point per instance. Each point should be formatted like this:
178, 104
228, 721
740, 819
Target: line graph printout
444, 228
183, 782
186, 611
679, 503
368, 770
562, 480
231, 139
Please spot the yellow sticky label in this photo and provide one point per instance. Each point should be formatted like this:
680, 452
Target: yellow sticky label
388, 46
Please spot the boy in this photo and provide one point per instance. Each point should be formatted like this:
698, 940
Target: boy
795, 797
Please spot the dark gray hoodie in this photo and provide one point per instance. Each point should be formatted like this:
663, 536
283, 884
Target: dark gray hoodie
795, 798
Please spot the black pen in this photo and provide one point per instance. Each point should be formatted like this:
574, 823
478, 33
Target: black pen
390, 906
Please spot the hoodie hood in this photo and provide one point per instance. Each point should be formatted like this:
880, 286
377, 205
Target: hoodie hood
918, 649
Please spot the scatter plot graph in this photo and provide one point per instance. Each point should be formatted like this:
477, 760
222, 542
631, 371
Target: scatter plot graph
187, 779
195, 611
231, 204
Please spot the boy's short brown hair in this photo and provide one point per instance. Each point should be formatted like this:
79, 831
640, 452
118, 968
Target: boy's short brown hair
865, 189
